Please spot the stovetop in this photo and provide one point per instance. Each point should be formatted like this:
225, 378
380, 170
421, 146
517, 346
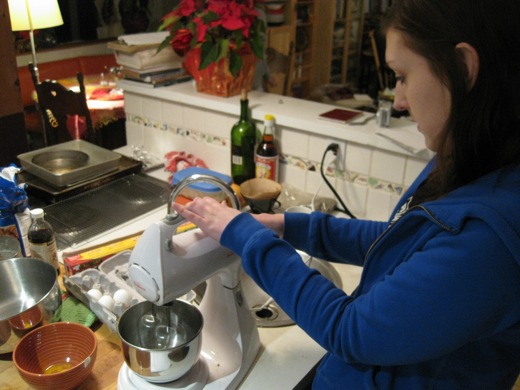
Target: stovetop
81, 217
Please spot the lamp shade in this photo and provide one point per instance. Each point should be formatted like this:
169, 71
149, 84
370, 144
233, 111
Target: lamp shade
34, 14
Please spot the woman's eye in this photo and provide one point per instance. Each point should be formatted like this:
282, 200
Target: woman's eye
399, 80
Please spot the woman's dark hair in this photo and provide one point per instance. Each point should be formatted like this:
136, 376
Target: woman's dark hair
483, 129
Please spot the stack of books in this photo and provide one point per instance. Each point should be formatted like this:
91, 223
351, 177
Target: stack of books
157, 76
141, 63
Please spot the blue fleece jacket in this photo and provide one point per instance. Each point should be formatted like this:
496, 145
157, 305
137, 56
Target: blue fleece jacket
438, 304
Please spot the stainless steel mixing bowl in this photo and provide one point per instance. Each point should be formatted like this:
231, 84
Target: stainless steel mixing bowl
161, 343
26, 283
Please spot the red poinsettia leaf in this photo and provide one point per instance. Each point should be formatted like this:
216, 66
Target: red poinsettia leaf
201, 28
186, 7
219, 27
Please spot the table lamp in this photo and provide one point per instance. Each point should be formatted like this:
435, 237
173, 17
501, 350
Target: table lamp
30, 15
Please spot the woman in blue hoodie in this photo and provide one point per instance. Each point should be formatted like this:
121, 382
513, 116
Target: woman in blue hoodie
438, 304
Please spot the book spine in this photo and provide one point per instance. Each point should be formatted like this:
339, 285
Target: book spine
158, 84
158, 73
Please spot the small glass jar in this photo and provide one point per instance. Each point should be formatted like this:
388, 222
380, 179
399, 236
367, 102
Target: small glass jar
384, 113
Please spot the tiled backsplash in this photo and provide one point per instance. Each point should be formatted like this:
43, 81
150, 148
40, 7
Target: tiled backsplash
369, 180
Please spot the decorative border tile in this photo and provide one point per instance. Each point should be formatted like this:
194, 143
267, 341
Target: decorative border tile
296, 161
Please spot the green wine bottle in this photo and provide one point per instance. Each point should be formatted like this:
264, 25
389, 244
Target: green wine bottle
243, 141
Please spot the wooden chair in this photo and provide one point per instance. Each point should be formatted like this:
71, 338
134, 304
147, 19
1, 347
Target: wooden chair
62, 110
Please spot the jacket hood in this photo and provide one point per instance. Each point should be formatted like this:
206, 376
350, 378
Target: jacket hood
494, 198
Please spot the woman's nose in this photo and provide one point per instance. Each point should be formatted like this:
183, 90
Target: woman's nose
400, 103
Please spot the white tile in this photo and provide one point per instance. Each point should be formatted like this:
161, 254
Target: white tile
134, 134
412, 170
317, 146
133, 104
354, 197
218, 158
314, 184
378, 205
387, 166
153, 141
171, 141
293, 176
172, 113
219, 125
358, 158
294, 143
193, 118
152, 109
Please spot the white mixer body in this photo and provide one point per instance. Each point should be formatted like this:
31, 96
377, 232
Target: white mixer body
164, 266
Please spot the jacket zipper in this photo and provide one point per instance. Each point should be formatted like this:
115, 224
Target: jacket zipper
432, 217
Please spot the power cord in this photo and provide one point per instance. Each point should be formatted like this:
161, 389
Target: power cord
335, 149
326, 164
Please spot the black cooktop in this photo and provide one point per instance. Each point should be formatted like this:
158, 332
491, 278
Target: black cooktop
81, 217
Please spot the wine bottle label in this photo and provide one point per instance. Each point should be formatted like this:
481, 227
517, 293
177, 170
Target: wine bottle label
46, 251
267, 167
236, 159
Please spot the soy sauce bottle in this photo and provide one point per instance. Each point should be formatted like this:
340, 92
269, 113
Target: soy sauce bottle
42, 244
243, 141
267, 156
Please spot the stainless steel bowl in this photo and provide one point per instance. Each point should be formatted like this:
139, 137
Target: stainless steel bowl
161, 343
26, 283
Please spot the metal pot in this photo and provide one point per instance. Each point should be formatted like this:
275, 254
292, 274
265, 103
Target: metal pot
28, 286
161, 343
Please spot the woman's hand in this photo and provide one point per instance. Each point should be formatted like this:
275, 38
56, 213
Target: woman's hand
208, 214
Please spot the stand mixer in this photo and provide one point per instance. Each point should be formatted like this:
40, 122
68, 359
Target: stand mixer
164, 266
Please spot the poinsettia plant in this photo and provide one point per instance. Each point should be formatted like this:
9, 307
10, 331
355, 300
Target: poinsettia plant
221, 28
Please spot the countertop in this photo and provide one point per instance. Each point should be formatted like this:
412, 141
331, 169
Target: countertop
286, 349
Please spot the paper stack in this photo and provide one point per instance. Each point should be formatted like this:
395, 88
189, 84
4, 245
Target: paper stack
142, 63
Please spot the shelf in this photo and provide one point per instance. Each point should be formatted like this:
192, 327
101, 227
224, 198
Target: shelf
345, 41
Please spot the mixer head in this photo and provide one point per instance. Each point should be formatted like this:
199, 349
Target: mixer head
164, 266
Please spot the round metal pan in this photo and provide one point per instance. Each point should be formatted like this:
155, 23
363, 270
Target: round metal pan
61, 161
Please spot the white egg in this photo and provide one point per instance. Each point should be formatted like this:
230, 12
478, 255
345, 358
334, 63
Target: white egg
95, 294
122, 296
107, 301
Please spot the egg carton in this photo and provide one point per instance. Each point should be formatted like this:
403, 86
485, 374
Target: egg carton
106, 291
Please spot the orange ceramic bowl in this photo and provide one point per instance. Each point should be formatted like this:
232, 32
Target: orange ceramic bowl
59, 355
25, 322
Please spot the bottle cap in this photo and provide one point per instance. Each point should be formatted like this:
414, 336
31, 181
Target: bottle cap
269, 117
37, 213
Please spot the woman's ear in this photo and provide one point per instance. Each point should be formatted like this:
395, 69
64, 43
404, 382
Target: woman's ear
470, 57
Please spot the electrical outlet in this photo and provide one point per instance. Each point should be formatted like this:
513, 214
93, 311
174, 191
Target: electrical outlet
339, 163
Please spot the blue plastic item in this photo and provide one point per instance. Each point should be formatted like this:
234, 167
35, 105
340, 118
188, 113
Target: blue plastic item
200, 186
